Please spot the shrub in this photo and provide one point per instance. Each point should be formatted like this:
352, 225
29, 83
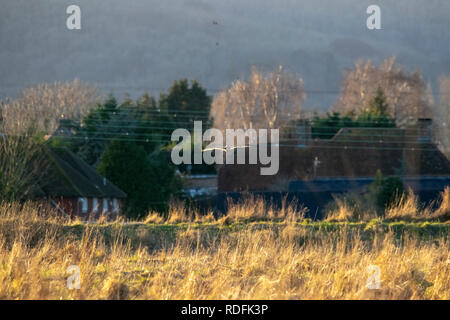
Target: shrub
443, 211
350, 207
386, 191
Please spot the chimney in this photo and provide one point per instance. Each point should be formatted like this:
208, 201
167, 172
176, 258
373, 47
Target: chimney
304, 135
424, 129
66, 128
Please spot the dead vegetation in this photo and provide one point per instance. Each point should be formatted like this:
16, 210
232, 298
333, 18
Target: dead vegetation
289, 261
406, 208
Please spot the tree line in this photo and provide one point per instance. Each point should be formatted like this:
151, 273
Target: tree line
129, 141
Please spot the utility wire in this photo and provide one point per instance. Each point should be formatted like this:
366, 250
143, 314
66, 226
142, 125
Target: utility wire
298, 138
393, 133
280, 145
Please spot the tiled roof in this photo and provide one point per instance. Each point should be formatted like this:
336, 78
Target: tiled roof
342, 156
68, 175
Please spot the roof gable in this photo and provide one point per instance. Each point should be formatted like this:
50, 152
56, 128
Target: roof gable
69, 176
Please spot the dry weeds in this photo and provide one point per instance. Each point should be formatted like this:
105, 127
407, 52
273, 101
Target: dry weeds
250, 262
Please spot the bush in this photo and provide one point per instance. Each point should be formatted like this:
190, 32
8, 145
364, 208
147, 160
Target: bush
386, 191
350, 206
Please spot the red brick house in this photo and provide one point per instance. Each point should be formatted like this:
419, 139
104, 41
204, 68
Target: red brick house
351, 153
75, 188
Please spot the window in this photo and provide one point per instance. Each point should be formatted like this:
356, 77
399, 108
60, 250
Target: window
95, 205
105, 204
84, 204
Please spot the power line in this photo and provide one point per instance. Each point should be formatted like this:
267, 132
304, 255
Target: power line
101, 121
182, 113
345, 131
279, 145
217, 90
285, 137
154, 124
140, 110
361, 131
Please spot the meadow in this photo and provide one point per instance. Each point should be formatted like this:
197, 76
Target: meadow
255, 252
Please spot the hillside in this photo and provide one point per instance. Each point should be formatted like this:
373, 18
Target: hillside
145, 45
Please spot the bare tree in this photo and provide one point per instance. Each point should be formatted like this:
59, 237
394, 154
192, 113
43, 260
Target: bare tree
43, 105
406, 93
264, 101
23, 164
23, 159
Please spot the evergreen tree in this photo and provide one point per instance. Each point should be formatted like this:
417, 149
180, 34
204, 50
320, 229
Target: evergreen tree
148, 182
186, 104
376, 115
386, 191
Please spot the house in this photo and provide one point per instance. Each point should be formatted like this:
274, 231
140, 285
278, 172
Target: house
352, 152
75, 188
68, 183
350, 158
201, 185
201, 190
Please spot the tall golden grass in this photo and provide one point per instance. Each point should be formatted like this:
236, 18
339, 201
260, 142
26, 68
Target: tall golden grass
406, 207
249, 262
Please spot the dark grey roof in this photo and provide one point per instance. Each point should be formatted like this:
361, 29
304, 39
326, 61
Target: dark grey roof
329, 184
347, 184
427, 183
69, 176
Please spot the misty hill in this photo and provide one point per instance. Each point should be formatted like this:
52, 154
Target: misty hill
143, 45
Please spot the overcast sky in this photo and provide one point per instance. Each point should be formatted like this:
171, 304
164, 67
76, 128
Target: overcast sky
143, 45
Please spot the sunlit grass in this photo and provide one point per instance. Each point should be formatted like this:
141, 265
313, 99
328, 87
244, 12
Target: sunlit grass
245, 256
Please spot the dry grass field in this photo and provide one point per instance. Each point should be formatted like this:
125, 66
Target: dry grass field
254, 253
